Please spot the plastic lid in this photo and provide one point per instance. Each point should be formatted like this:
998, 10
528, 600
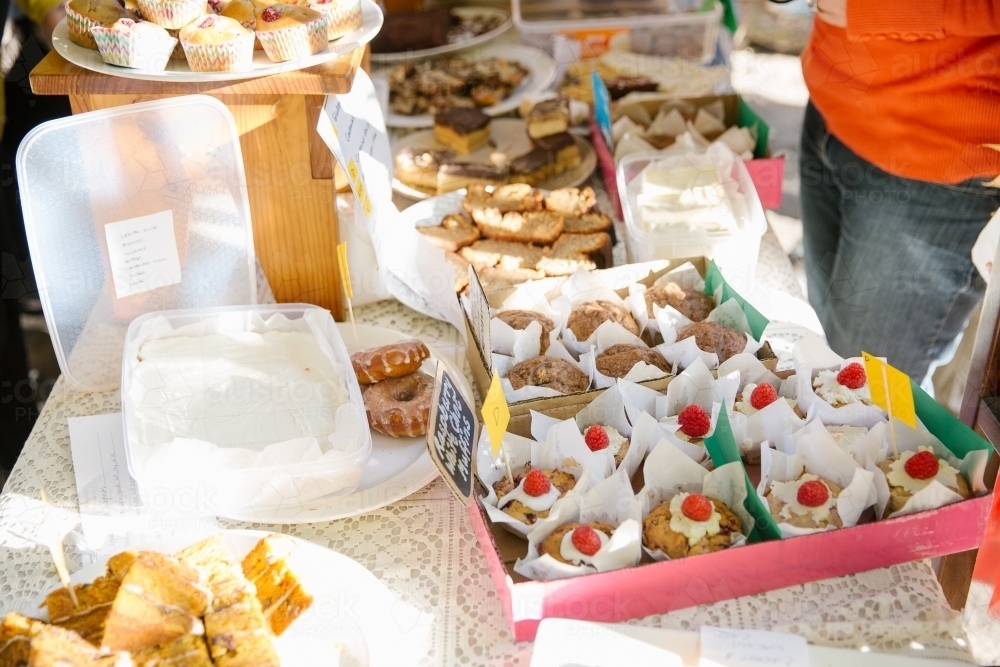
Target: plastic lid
132, 210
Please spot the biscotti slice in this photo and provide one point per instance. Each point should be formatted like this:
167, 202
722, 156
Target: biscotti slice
462, 129
572, 201
518, 197
565, 151
218, 571
493, 279
454, 233
538, 227
186, 651
504, 254
268, 566
455, 176
575, 251
548, 117
588, 223
238, 636
15, 640
160, 600
533, 167
52, 646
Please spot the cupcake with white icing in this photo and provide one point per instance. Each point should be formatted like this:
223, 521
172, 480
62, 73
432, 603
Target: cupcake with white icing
913, 472
530, 495
807, 502
689, 524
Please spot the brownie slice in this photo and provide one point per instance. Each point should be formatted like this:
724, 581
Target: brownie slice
412, 31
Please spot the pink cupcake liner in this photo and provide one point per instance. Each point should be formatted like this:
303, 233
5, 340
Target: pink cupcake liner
172, 14
131, 50
232, 56
78, 26
342, 20
294, 42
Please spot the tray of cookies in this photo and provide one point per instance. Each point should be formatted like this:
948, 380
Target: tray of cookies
191, 41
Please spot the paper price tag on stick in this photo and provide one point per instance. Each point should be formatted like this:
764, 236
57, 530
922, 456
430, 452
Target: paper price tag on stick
452, 433
496, 416
890, 389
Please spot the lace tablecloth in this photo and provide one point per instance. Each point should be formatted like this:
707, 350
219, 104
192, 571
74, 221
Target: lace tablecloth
424, 550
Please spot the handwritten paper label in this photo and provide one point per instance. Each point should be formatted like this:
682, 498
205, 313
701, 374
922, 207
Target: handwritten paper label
751, 648
143, 253
452, 434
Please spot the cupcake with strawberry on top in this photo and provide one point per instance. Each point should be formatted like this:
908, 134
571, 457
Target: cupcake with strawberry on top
913, 472
806, 502
693, 423
600, 438
689, 524
847, 386
532, 493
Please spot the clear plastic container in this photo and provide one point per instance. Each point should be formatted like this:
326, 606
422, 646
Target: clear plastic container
267, 432
131, 210
670, 28
735, 250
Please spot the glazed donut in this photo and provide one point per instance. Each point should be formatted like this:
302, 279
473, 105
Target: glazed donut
399, 407
389, 361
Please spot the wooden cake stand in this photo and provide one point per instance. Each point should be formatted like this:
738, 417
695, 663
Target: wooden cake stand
289, 170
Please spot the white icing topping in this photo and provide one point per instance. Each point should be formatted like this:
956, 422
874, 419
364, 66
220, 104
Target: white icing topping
536, 503
693, 530
570, 553
615, 440
749, 410
847, 436
836, 394
787, 492
672, 424
898, 476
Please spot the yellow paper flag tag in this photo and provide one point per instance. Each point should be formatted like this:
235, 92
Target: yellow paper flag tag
496, 414
345, 274
890, 390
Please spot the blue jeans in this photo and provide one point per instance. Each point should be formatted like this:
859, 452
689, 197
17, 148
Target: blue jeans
888, 263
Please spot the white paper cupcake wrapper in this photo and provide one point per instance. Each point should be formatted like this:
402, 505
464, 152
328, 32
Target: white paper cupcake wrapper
78, 26
131, 50
340, 20
292, 43
172, 14
234, 56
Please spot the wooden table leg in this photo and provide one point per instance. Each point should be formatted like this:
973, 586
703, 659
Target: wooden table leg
291, 190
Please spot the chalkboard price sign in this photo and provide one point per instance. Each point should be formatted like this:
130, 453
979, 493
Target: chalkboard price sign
452, 435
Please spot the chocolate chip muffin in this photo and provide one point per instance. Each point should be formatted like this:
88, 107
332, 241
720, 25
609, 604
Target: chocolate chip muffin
618, 360
520, 319
689, 302
806, 502
713, 337
657, 533
585, 318
913, 471
563, 481
552, 545
550, 372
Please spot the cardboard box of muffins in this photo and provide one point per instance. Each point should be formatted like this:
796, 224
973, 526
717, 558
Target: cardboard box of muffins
558, 341
636, 500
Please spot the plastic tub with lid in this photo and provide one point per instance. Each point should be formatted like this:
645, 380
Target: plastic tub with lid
686, 29
727, 226
131, 210
253, 409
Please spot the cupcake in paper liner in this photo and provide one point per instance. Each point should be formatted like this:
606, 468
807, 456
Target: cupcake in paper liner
290, 32
520, 334
545, 480
722, 335
689, 511
618, 355
172, 14
814, 485
599, 534
554, 374
343, 16
82, 15
217, 44
677, 297
765, 409
135, 44
178, 52
595, 315
832, 388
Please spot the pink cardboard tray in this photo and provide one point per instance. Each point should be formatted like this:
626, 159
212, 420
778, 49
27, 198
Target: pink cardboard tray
656, 588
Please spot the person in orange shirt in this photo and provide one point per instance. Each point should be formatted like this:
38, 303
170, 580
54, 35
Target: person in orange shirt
903, 97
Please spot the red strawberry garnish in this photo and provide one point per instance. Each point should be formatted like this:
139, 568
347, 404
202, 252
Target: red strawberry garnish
536, 483
694, 421
270, 14
763, 395
697, 507
596, 438
852, 376
813, 493
586, 540
922, 465
208, 22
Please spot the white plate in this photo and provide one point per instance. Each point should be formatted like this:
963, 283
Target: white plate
350, 605
453, 46
508, 135
178, 71
541, 74
397, 467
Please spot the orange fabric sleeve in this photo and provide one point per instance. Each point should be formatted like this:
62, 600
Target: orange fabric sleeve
908, 20
973, 18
